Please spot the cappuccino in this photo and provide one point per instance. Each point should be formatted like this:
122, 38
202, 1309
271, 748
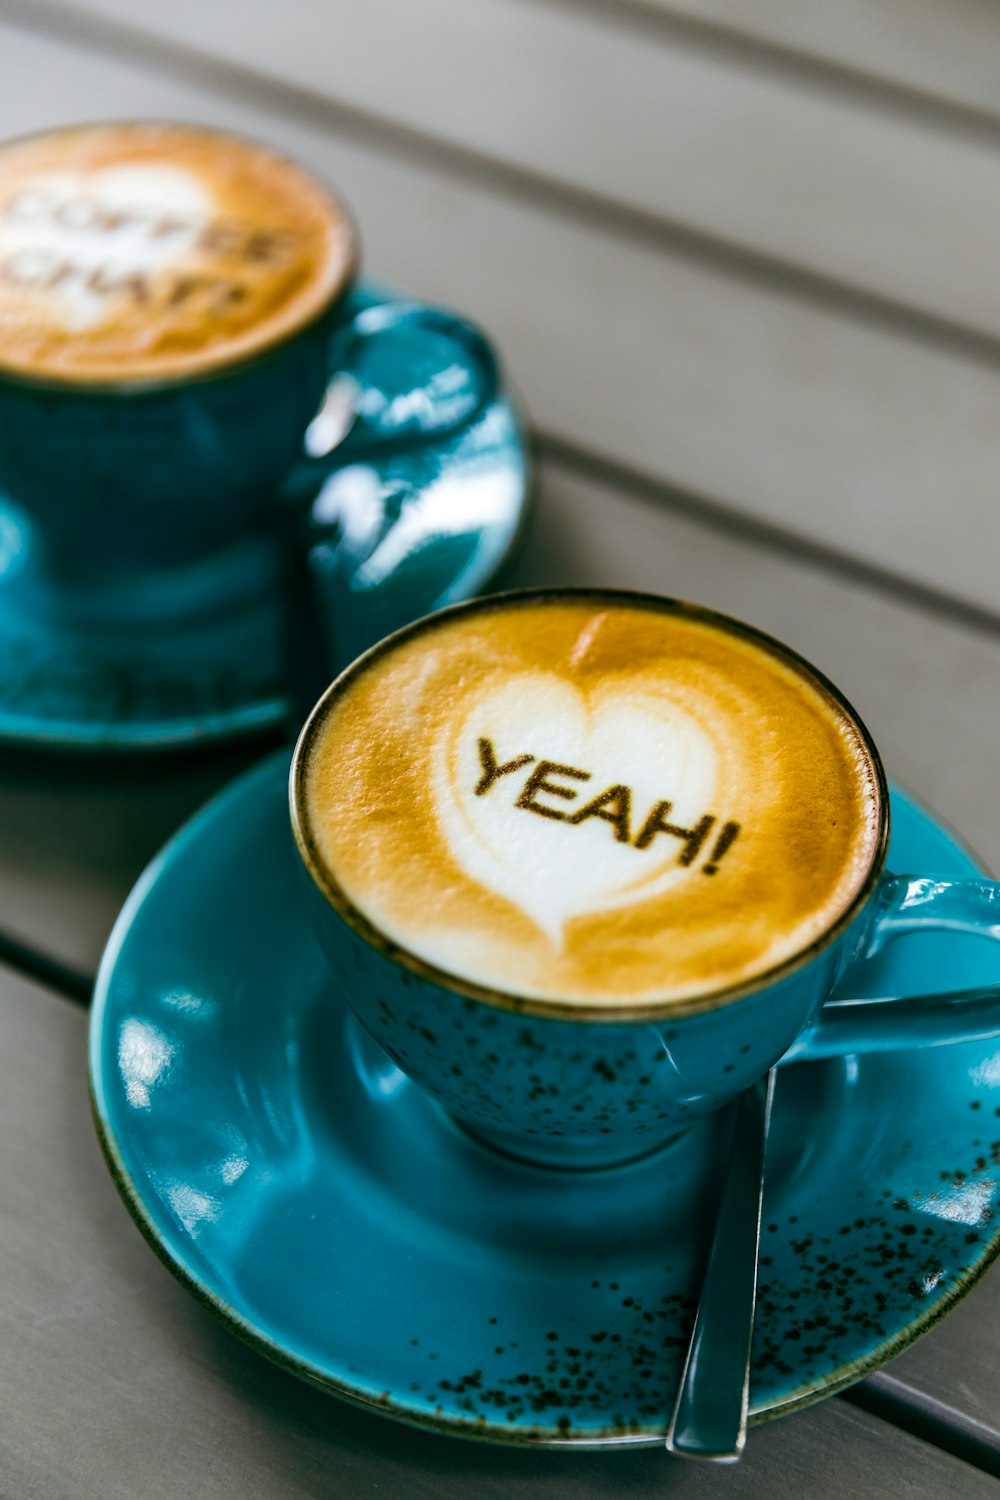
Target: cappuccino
590, 798
147, 252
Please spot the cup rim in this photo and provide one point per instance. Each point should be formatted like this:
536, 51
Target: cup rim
623, 1011
223, 367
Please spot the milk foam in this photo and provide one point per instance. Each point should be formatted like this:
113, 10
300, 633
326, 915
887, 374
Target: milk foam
120, 222
591, 805
533, 854
151, 250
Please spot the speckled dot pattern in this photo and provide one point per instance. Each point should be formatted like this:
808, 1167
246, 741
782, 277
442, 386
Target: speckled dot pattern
567, 1090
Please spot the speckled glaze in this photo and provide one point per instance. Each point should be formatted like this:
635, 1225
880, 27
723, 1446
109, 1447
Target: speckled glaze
419, 505
586, 1086
299, 1184
569, 1090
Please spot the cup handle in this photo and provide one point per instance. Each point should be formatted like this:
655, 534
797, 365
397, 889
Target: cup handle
405, 373
906, 904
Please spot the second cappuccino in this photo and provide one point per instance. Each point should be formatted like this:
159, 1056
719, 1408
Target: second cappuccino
140, 251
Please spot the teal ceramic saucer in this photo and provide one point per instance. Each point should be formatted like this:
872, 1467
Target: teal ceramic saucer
306, 1192
422, 514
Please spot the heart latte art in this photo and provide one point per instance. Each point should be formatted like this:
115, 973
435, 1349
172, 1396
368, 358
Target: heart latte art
154, 251
590, 802
620, 840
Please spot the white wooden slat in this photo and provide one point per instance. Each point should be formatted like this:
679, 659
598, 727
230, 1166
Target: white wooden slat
116, 1385
945, 50
829, 183
855, 437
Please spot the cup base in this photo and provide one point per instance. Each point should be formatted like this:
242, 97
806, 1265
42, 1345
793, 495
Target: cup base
566, 1154
381, 1079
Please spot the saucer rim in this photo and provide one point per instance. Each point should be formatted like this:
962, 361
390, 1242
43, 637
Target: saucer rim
478, 1429
481, 1430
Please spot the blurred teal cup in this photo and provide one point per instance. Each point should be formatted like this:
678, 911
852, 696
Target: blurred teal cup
133, 469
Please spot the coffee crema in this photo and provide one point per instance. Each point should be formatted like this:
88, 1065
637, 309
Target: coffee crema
156, 251
589, 799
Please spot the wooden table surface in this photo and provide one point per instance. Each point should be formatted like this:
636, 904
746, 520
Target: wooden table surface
740, 260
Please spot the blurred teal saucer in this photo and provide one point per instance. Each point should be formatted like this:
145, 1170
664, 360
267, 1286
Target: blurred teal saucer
337, 1221
410, 497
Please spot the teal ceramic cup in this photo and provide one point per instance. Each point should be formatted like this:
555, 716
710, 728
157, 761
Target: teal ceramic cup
565, 1085
131, 478
174, 302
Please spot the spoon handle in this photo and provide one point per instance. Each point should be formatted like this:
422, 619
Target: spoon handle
710, 1415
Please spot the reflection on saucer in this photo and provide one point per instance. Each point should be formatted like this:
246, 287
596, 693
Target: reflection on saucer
417, 530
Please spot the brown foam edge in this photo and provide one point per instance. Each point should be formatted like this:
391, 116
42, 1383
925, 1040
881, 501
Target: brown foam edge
221, 365
621, 1011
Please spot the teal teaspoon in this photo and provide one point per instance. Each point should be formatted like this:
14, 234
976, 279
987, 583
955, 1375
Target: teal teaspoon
709, 1420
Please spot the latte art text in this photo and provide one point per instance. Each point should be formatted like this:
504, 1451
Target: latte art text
85, 214
614, 806
94, 237
147, 251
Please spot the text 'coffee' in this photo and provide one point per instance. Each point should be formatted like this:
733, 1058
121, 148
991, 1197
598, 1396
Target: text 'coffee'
132, 251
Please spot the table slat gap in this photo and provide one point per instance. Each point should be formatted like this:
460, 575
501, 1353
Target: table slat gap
934, 57
61, 979
923, 1416
847, 81
714, 515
